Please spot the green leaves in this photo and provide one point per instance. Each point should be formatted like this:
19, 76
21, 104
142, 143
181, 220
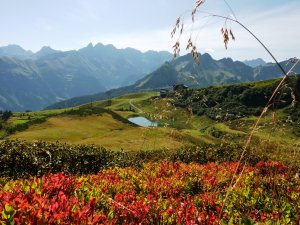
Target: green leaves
248, 221
8, 215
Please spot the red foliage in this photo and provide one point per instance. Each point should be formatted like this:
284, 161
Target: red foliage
160, 193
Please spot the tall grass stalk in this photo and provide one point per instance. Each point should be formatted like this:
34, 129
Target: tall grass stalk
226, 36
234, 181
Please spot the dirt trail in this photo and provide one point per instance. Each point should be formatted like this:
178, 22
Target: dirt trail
135, 107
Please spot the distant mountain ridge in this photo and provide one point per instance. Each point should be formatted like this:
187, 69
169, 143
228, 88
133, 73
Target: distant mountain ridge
209, 72
31, 81
185, 70
44, 51
255, 62
15, 51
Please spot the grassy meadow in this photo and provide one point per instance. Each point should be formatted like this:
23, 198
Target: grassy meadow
104, 123
85, 125
105, 169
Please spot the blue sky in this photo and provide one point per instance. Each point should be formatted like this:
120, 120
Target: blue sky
146, 25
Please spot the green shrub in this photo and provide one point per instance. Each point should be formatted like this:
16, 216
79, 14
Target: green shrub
234, 101
22, 159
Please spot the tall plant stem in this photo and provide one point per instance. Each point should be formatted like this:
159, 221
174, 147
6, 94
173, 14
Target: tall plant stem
250, 32
248, 141
232, 184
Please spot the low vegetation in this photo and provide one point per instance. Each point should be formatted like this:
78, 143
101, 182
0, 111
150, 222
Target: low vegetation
22, 159
177, 173
157, 193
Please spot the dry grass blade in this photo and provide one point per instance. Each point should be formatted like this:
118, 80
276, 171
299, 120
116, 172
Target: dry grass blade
195, 54
231, 34
178, 22
193, 14
225, 36
293, 96
181, 30
190, 44
199, 2
232, 183
176, 49
173, 32
121, 205
175, 27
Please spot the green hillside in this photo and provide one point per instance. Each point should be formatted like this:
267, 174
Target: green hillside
101, 123
213, 115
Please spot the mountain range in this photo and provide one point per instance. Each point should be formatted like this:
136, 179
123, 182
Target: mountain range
31, 81
184, 70
15, 51
255, 62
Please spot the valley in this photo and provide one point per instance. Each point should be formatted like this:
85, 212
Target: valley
58, 79
184, 118
106, 126
32, 81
